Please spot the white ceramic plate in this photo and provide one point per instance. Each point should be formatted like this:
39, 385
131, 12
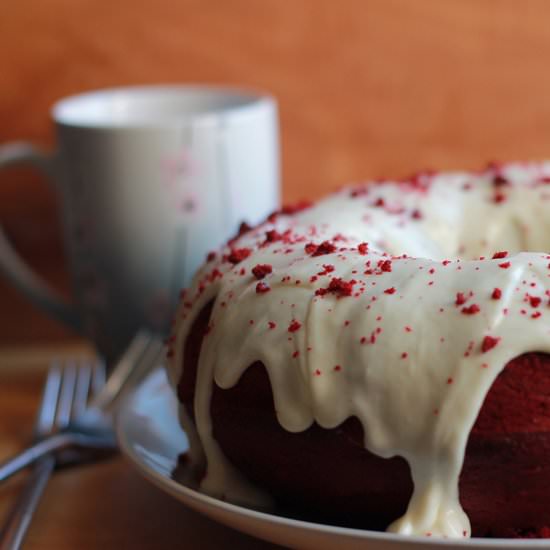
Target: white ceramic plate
151, 438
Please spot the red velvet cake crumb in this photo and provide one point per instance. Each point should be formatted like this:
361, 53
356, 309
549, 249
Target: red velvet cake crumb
261, 270
471, 310
460, 298
237, 255
488, 343
291, 209
385, 266
326, 247
341, 287
294, 326
262, 288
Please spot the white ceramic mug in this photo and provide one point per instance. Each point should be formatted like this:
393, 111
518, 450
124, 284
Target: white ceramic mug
149, 179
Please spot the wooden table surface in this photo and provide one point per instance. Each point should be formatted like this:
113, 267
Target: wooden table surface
105, 505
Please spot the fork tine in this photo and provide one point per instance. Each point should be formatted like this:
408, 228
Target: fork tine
50, 395
99, 377
68, 384
82, 389
150, 359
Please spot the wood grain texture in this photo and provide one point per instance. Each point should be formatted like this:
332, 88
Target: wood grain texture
366, 88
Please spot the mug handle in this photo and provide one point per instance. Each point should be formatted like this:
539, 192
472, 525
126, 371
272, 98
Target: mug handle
12, 265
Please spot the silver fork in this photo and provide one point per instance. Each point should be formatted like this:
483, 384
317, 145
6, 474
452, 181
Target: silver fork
65, 396
136, 362
93, 430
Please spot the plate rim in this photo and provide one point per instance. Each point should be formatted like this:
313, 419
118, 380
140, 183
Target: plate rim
171, 486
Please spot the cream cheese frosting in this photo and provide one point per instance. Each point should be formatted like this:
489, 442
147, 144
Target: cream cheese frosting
395, 302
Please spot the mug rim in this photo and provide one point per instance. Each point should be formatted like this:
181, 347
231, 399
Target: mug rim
69, 111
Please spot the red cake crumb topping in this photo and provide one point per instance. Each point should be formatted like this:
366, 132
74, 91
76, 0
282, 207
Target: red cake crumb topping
534, 301
385, 265
497, 294
471, 310
500, 255
460, 298
213, 275
359, 192
273, 235
488, 343
339, 237
499, 197
469, 349
262, 288
291, 209
261, 270
499, 180
237, 255
294, 326
243, 228
339, 286
363, 248
390, 290
327, 268
505, 265
272, 325
421, 181
326, 247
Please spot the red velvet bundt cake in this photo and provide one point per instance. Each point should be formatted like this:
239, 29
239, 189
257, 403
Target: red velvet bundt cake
381, 358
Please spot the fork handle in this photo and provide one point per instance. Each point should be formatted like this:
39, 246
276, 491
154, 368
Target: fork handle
31, 454
18, 521
51, 444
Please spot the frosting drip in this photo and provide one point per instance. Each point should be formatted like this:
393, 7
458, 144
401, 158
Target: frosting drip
371, 304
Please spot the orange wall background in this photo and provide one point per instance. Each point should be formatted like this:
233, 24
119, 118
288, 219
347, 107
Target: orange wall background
366, 88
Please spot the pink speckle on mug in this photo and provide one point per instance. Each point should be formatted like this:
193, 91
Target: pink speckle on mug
179, 165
